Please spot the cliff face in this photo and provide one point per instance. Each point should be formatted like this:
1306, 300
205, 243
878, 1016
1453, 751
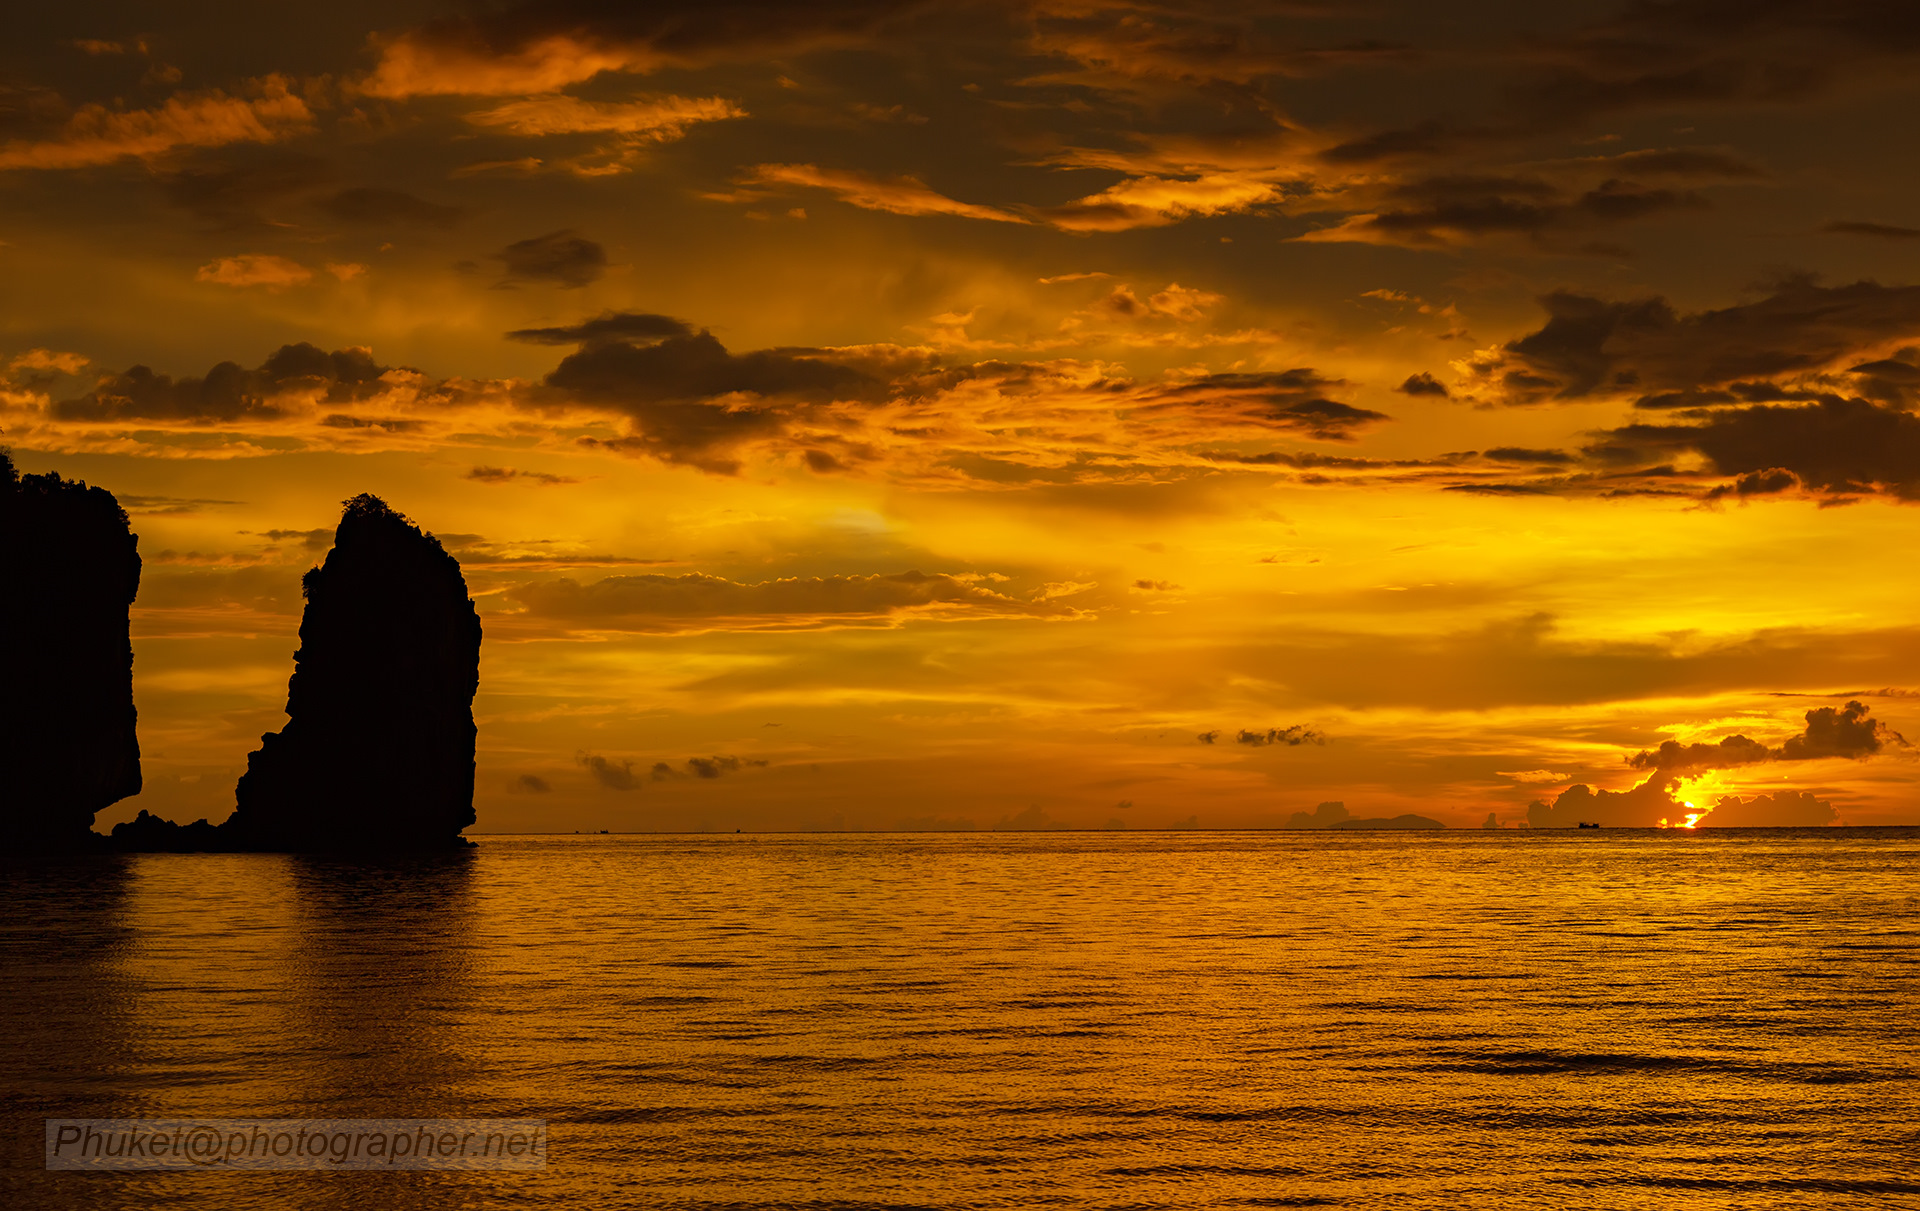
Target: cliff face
378, 749
69, 569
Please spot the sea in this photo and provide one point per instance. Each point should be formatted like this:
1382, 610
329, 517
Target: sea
1447, 1019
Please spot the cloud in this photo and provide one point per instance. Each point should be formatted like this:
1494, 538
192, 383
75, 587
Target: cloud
1525, 454
1292, 737
1841, 447
704, 767
1444, 212
1879, 231
559, 256
1531, 775
506, 475
313, 540
372, 206
609, 326
1700, 53
528, 784
1176, 302
1031, 819
229, 391
900, 195
1122, 47
655, 120
690, 399
609, 775
1830, 732
273, 272
1841, 732
542, 47
1672, 755
654, 602
48, 359
1156, 201
1782, 809
230, 193
1422, 384
1645, 806
1644, 348
98, 135
1291, 400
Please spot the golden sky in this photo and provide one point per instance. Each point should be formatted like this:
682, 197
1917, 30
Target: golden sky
877, 414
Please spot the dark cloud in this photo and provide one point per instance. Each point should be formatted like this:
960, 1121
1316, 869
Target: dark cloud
231, 193
559, 256
1782, 809
538, 47
1423, 384
1428, 138
1653, 56
1523, 454
507, 475
373, 206
611, 326
1290, 400
613, 777
1438, 212
380, 424
1644, 346
1645, 806
1836, 446
529, 784
1880, 231
1838, 732
697, 368
1672, 755
1685, 162
682, 393
1292, 737
312, 540
1830, 732
229, 391
704, 767
653, 602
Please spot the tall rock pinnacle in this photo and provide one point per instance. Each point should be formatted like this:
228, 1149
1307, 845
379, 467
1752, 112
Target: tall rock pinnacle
69, 569
378, 749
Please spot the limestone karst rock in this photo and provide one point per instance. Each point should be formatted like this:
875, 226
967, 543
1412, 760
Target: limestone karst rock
69, 569
378, 749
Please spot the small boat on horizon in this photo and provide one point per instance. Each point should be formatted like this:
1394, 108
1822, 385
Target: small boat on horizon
1584, 824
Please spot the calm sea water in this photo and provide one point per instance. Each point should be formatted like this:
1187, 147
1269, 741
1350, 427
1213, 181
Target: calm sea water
1614, 1019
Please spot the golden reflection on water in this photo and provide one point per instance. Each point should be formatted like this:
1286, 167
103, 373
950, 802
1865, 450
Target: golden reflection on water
1719, 1018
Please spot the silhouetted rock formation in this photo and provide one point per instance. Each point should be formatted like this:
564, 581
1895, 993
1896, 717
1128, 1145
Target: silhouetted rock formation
1407, 821
1326, 815
69, 569
378, 748
147, 833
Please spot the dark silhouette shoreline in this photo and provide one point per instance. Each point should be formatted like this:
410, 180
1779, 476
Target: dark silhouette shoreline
378, 751
69, 570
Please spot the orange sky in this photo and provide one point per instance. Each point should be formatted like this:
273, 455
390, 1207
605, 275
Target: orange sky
878, 414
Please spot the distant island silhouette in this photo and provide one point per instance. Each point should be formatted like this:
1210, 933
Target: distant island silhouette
1334, 814
69, 569
378, 750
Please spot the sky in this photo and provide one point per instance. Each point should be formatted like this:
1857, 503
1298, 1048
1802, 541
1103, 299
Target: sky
1026, 413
